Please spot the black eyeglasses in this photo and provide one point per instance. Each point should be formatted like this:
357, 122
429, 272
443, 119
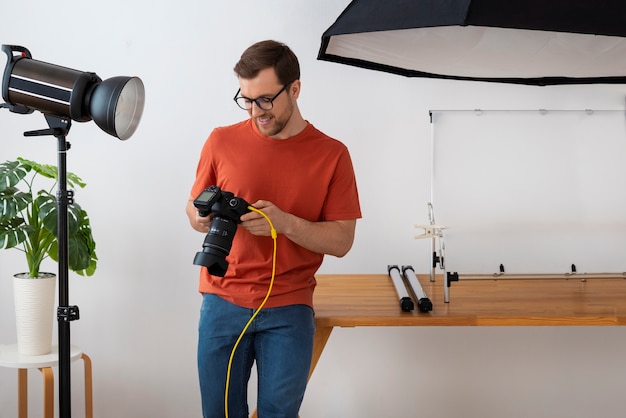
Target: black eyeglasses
264, 103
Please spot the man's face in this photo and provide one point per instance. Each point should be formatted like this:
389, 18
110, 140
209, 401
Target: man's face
272, 123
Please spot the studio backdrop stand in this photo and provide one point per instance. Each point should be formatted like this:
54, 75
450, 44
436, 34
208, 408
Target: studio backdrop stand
59, 128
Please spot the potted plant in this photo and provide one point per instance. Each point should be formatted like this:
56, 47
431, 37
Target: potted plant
28, 222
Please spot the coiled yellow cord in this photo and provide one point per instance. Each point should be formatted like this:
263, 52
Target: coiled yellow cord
269, 291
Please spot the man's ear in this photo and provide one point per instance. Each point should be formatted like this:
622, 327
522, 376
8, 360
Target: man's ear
294, 89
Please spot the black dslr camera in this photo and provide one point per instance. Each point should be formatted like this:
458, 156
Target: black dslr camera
227, 210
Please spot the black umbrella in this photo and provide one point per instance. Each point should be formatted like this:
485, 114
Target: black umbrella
537, 42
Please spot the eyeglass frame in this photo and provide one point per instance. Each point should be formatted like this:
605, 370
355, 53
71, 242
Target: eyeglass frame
252, 101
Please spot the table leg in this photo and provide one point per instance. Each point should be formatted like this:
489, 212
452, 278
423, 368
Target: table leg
319, 342
22, 393
88, 387
48, 392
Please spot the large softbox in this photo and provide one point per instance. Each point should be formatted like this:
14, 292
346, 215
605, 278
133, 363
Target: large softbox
536, 42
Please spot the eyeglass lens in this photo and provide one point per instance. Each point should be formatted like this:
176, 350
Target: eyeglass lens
264, 103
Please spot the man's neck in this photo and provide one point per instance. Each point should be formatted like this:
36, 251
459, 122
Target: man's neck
296, 125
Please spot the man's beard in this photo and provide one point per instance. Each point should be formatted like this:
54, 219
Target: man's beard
279, 123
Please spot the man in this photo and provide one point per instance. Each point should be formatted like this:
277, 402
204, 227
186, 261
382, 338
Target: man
301, 179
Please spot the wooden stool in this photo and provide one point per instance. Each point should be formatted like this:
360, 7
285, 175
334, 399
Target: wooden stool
10, 358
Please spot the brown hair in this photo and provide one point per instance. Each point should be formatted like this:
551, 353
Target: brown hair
265, 54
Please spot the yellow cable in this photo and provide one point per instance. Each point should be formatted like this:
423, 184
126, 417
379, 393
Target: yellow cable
269, 291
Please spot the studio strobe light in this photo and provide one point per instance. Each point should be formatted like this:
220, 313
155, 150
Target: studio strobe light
115, 105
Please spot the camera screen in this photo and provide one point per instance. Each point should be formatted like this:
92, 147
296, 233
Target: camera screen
206, 196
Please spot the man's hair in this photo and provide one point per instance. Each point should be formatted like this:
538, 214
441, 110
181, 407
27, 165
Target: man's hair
266, 54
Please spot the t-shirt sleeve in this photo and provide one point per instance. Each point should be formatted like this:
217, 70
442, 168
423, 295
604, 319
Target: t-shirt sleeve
205, 172
342, 202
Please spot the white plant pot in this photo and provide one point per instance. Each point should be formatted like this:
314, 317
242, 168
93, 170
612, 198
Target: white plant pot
34, 312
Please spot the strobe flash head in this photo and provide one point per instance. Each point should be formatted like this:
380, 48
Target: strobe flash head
115, 104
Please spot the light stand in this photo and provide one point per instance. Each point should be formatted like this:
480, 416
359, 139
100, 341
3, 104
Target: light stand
59, 128
62, 95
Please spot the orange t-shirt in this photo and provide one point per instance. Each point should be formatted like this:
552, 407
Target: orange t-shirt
309, 175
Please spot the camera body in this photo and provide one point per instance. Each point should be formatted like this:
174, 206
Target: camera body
227, 210
221, 203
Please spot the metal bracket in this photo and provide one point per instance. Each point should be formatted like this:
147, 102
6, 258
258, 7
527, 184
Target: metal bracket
68, 196
67, 313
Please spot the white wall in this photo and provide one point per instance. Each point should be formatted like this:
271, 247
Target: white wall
139, 312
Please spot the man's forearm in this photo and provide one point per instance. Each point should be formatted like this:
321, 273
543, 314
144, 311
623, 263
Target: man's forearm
329, 237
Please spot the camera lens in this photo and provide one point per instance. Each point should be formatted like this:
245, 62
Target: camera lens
220, 235
216, 246
228, 210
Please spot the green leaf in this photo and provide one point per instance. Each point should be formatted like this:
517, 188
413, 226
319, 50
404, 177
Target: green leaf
13, 232
11, 173
46, 205
12, 202
52, 172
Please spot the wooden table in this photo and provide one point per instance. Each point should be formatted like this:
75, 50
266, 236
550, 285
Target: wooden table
363, 300
366, 300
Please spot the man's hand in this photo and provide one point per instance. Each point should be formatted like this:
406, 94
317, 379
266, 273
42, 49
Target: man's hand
199, 223
326, 237
256, 224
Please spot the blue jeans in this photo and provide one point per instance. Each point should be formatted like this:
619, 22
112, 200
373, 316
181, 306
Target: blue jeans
279, 339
